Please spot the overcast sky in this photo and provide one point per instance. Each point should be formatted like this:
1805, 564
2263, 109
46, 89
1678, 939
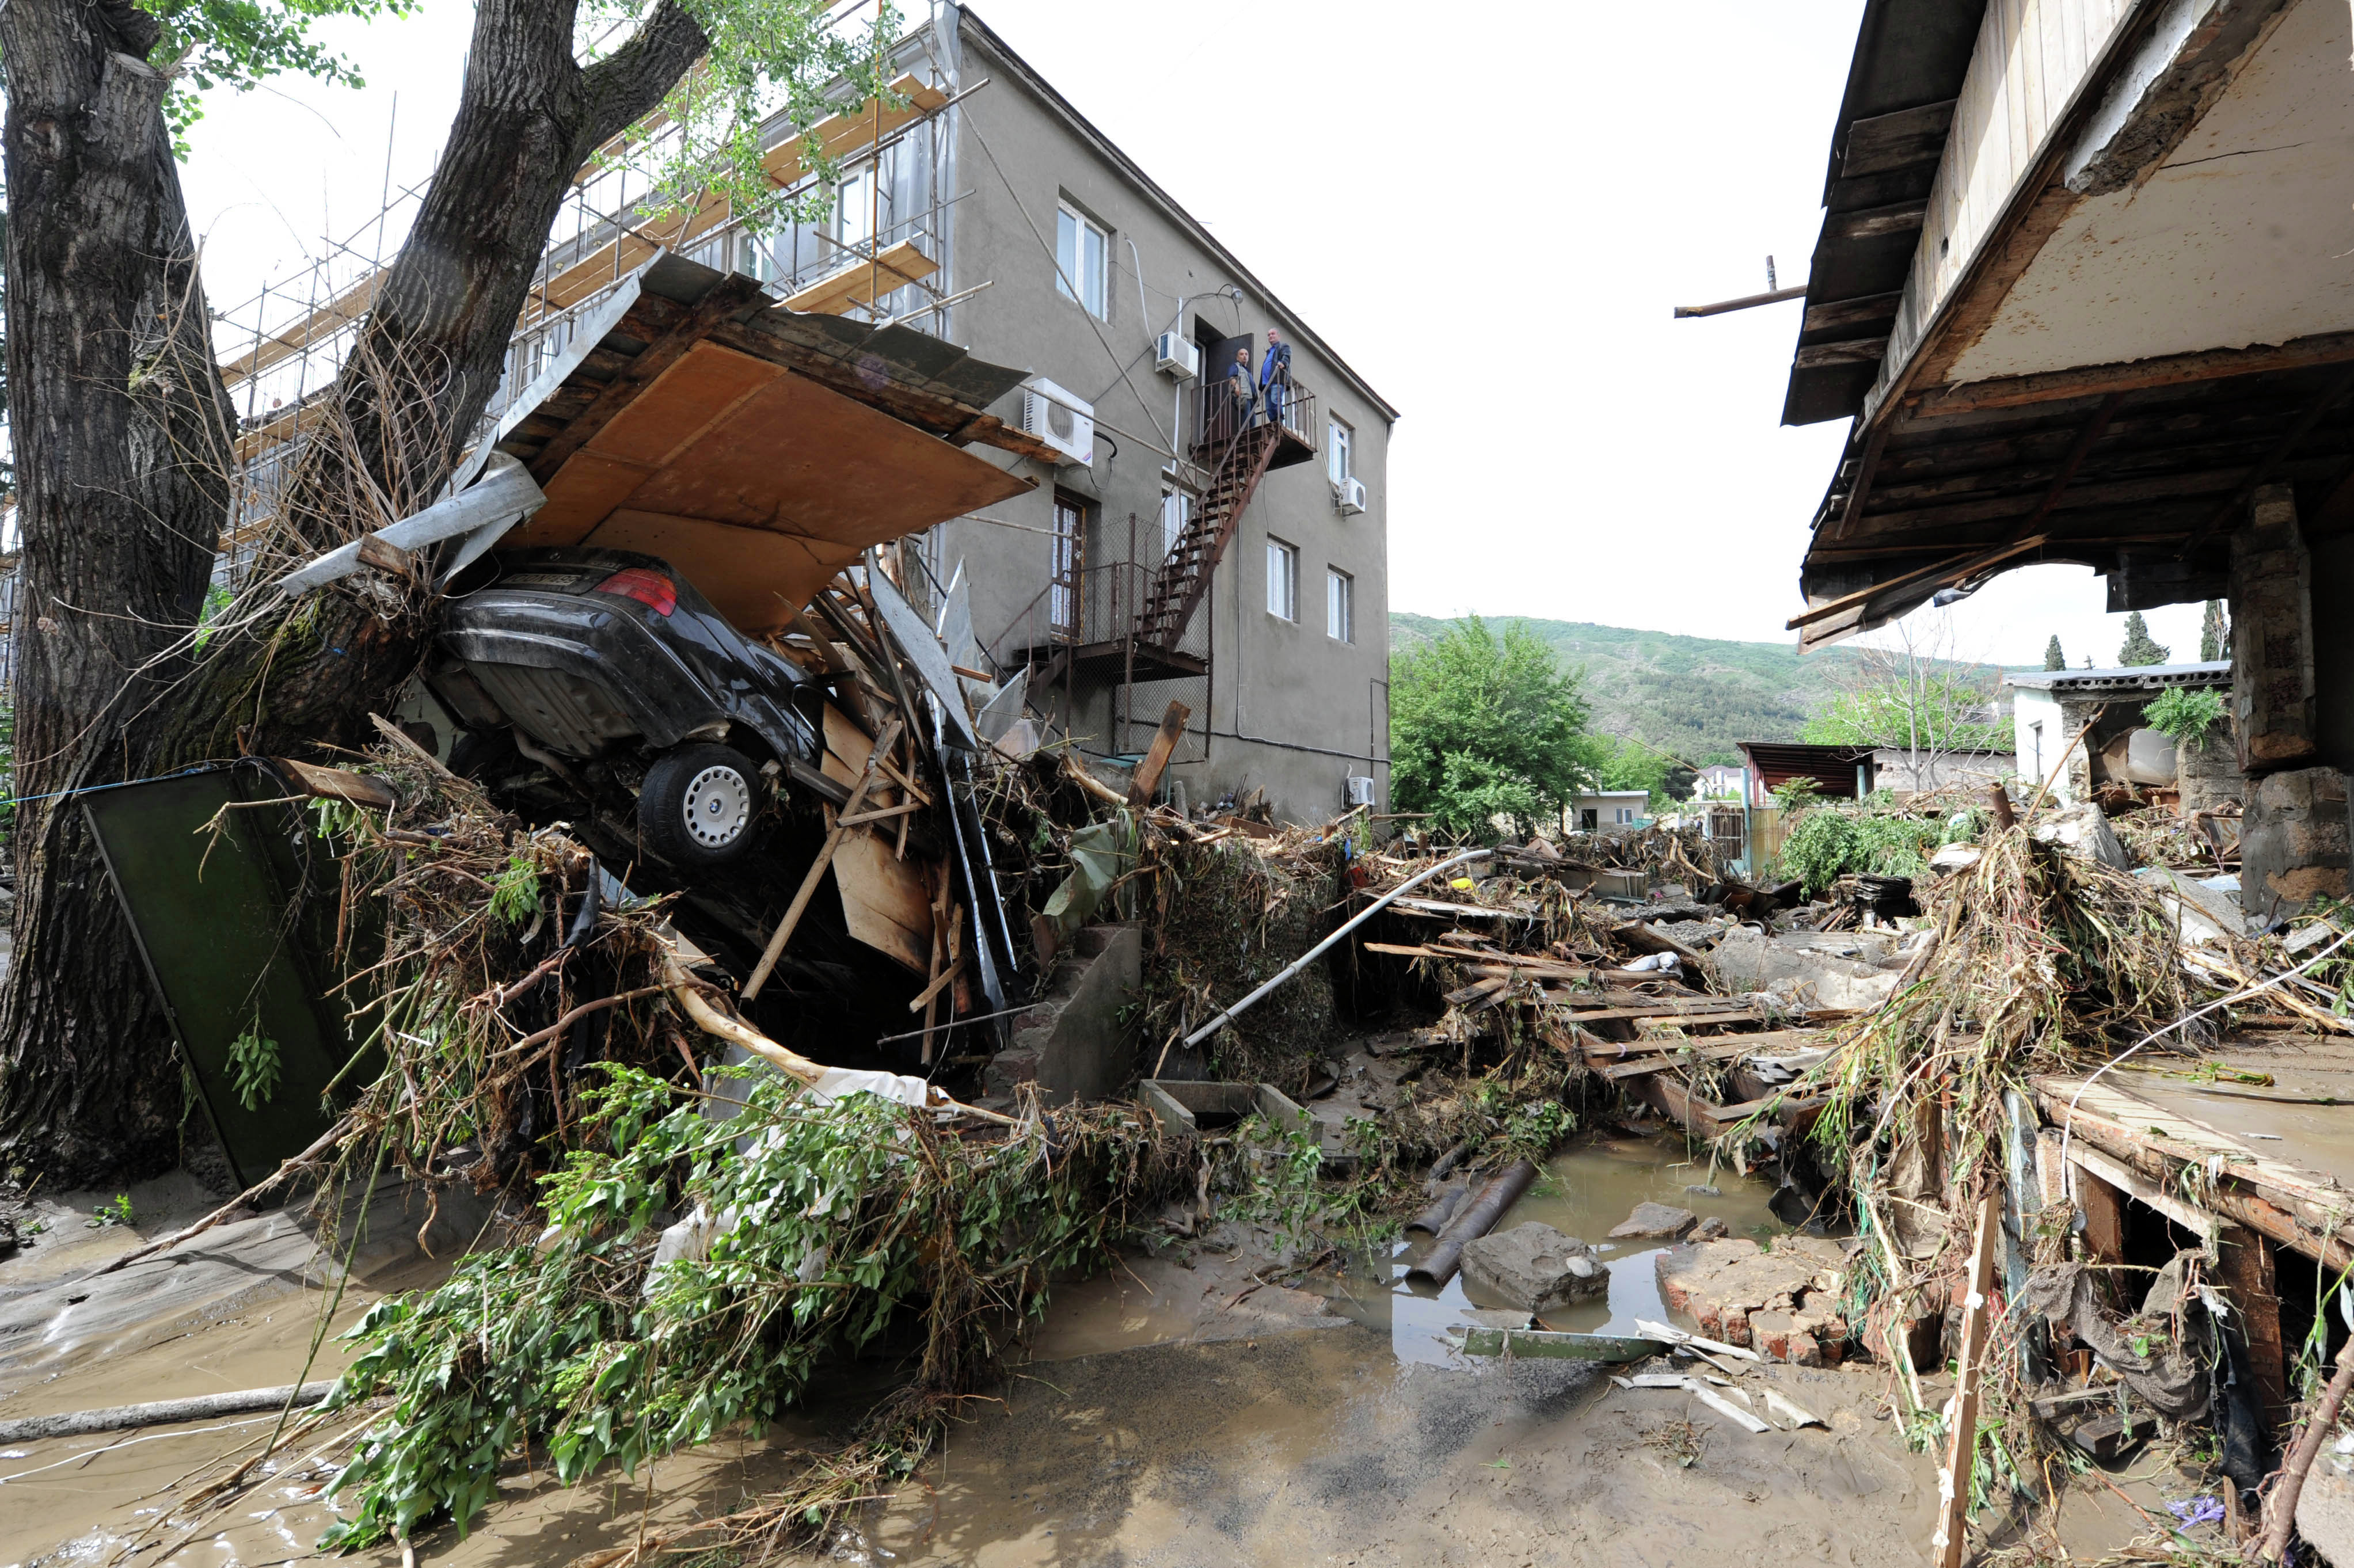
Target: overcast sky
1491, 221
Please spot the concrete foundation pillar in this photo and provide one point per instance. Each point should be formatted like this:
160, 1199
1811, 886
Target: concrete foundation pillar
2272, 635
2293, 841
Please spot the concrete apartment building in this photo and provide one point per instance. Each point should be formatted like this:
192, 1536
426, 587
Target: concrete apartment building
1169, 550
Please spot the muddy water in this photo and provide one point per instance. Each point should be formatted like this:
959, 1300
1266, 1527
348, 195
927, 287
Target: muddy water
1176, 1412
1585, 1190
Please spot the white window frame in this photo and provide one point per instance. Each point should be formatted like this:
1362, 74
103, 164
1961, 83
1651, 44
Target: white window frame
1340, 450
856, 195
1340, 605
1092, 283
1282, 579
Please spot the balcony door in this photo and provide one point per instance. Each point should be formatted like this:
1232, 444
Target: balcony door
1069, 546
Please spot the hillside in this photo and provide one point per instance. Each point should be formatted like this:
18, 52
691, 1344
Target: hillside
1692, 696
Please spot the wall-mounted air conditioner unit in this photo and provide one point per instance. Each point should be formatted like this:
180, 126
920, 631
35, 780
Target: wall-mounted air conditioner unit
1360, 789
1064, 420
1348, 495
1175, 355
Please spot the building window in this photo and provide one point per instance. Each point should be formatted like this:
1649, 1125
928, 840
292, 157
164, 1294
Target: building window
1339, 459
853, 209
1283, 580
1339, 609
1080, 255
1625, 815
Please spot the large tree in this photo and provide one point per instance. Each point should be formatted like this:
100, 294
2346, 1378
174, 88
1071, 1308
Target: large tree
1485, 727
122, 436
2140, 647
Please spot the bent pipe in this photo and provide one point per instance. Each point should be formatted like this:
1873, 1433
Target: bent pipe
1502, 1192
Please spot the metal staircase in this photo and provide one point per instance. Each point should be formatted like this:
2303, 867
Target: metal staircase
1184, 575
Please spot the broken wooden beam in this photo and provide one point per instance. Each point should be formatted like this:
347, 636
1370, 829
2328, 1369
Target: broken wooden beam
1145, 782
784, 933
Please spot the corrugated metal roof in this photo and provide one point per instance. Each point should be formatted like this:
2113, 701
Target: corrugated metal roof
2215, 673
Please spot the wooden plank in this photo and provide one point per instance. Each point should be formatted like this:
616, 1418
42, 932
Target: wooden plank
2135, 1185
1852, 351
2166, 370
1956, 568
1146, 781
865, 279
835, 832
886, 903
1954, 1481
2275, 1200
1876, 222
1740, 1046
1903, 140
339, 784
1835, 314
2244, 1270
729, 295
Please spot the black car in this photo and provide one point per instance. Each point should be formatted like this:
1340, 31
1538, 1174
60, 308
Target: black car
609, 663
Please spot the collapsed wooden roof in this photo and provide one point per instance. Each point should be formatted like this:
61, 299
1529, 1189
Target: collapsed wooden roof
2121, 308
757, 448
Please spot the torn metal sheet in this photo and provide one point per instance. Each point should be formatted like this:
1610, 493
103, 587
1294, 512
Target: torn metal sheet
504, 495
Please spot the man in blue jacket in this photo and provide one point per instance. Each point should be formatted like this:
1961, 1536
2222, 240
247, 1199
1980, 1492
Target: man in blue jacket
1275, 377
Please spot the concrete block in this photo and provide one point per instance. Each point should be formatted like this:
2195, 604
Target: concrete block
2294, 841
1089, 1051
2273, 692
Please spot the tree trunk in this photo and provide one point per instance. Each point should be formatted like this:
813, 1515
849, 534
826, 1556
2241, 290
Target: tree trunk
121, 426
123, 441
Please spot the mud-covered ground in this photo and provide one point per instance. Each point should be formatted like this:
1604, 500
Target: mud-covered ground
1176, 1411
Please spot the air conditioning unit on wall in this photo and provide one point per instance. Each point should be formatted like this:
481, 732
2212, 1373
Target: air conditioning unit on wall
1348, 495
1064, 420
1175, 355
1360, 789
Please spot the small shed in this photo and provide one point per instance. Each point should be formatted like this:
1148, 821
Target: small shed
1839, 772
2053, 705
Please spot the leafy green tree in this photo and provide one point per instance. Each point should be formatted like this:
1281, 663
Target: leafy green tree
2052, 658
2214, 633
1483, 726
2140, 648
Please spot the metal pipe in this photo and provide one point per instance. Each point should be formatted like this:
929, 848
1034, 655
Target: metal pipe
1502, 1192
1746, 302
1375, 907
1433, 1220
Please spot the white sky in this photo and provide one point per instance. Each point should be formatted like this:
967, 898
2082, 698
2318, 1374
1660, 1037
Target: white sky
1490, 222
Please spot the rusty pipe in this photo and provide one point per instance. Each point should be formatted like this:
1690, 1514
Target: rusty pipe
1477, 1219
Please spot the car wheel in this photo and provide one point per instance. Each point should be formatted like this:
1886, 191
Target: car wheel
475, 754
697, 805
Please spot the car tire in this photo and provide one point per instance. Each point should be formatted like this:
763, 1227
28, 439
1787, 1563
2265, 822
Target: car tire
699, 805
476, 753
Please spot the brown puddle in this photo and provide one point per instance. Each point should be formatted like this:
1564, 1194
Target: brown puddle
1171, 1414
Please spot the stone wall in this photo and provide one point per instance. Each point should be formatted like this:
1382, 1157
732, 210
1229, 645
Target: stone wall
2293, 841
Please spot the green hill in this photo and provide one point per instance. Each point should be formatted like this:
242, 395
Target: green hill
1690, 696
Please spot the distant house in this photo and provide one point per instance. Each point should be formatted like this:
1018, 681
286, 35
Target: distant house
1607, 810
1718, 781
2053, 705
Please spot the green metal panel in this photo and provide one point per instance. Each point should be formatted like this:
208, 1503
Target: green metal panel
1543, 1343
237, 925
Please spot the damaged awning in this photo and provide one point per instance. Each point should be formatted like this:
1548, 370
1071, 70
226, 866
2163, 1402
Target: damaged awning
757, 450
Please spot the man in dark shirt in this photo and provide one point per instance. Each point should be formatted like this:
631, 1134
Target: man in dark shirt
1275, 377
1238, 383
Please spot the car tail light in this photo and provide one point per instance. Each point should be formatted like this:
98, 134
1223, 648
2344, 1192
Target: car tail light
652, 589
